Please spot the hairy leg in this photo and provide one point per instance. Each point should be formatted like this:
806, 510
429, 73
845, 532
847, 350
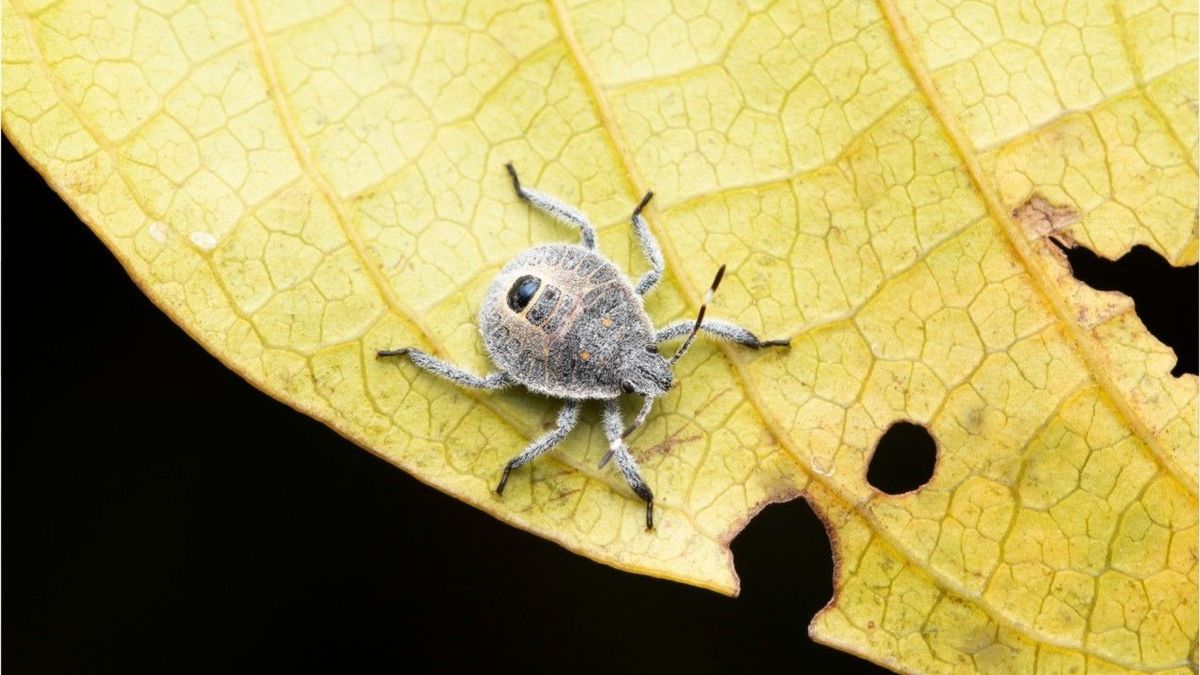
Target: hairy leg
613, 428
563, 213
568, 416
720, 330
449, 371
649, 247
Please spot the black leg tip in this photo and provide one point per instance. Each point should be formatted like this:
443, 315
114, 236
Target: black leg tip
643, 203
383, 353
642, 490
515, 181
504, 479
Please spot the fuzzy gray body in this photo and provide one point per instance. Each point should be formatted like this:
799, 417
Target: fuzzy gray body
561, 320
581, 334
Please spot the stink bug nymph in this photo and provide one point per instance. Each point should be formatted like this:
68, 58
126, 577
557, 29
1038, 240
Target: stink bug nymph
561, 320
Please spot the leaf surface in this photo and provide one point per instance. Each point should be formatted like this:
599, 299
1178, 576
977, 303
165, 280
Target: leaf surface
300, 184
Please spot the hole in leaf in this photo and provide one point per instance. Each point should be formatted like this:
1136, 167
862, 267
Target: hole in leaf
1164, 296
903, 460
785, 560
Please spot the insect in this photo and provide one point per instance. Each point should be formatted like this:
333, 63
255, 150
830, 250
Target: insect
561, 320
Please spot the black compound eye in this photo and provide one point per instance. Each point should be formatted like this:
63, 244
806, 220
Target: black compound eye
652, 349
522, 292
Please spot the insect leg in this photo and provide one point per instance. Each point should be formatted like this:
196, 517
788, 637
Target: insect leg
649, 247
449, 371
717, 329
613, 428
567, 417
563, 213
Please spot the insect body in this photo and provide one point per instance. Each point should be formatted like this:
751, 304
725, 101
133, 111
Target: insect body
562, 321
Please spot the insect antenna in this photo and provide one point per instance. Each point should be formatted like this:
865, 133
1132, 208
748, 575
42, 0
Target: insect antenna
607, 456
647, 403
708, 296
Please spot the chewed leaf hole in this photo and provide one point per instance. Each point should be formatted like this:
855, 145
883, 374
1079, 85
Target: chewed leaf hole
786, 562
903, 460
1165, 297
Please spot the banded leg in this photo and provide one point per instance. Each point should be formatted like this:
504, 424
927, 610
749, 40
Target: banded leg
649, 247
449, 371
625, 462
568, 416
720, 330
567, 215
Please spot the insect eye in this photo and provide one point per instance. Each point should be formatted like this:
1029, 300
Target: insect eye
522, 292
652, 349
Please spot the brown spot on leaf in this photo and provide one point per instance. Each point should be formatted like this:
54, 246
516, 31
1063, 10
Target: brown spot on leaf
665, 446
1039, 218
563, 494
710, 400
364, 197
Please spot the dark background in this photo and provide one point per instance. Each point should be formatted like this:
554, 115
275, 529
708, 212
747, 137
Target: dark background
259, 540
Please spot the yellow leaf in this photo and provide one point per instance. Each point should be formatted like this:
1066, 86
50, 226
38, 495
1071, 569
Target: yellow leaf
299, 186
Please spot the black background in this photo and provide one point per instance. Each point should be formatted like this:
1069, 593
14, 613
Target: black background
160, 514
